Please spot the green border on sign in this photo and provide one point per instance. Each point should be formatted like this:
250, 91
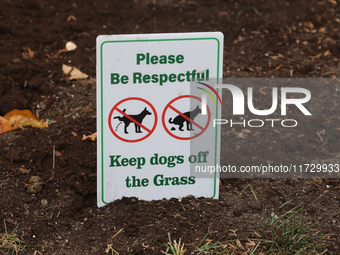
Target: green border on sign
101, 96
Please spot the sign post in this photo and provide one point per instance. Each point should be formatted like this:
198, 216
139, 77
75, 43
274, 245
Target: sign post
147, 117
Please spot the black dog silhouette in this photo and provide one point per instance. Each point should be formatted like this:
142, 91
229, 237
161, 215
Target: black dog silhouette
138, 117
179, 120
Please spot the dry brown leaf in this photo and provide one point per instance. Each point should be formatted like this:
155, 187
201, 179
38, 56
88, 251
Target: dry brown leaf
333, 2
327, 53
223, 13
232, 246
18, 119
23, 170
75, 74
278, 67
257, 234
71, 17
16, 60
245, 131
239, 244
322, 30
316, 56
91, 137
309, 25
250, 245
58, 153
28, 54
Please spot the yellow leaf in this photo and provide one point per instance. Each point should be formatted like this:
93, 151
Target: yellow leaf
91, 137
18, 119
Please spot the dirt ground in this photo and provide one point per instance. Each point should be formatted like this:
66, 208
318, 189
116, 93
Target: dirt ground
281, 39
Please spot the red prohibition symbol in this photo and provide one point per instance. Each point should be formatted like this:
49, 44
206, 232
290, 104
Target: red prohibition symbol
169, 106
116, 109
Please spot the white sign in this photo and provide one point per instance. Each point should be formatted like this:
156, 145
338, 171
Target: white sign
148, 117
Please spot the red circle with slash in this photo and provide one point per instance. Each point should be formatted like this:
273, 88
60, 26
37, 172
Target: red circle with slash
169, 106
150, 131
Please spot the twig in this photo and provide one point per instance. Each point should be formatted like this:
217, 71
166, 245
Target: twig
117, 233
53, 156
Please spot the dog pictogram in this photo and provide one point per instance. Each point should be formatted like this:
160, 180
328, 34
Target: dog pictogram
180, 119
127, 119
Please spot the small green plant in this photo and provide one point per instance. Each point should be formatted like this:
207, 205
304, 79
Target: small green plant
211, 247
11, 241
174, 247
291, 234
284, 233
248, 8
252, 191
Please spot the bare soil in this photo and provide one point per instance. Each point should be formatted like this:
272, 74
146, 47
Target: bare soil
281, 38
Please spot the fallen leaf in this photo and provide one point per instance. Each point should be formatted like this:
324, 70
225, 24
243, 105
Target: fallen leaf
257, 234
250, 245
241, 136
91, 137
223, 13
58, 153
71, 17
245, 131
309, 25
333, 2
75, 74
316, 56
16, 60
232, 246
18, 119
28, 54
327, 53
278, 67
67, 69
322, 30
24, 170
239, 244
